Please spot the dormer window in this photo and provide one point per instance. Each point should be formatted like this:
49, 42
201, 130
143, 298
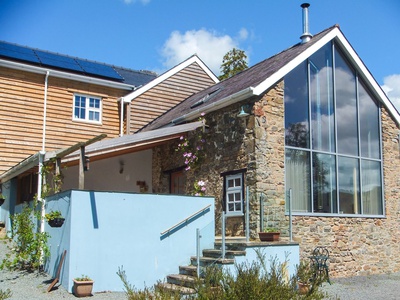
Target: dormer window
87, 108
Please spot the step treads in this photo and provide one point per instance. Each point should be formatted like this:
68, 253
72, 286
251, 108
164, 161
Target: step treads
183, 290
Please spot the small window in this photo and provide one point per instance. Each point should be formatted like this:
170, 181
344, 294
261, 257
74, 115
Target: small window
87, 108
234, 194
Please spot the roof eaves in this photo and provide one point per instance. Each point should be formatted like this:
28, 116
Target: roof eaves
64, 75
194, 58
135, 140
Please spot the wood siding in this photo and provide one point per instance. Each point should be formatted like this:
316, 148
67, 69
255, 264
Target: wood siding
166, 95
22, 107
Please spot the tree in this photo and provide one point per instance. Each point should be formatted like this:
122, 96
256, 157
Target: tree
234, 61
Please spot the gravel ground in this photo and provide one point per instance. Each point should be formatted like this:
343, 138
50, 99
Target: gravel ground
34, 286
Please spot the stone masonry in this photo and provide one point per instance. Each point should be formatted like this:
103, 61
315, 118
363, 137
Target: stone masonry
358, 246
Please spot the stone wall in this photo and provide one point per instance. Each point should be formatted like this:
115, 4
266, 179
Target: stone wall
358, 246
361, 246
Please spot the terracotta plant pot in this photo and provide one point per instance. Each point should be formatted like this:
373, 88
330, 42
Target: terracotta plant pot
269, 236
304, 288
82, 288
56, 222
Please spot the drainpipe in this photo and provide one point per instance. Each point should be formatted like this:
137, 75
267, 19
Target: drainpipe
41, 155
45, 111
121, 123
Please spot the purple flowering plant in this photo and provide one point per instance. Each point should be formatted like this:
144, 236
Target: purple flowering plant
192, 152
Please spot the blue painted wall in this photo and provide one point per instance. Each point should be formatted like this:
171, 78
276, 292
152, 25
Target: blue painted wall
104, 231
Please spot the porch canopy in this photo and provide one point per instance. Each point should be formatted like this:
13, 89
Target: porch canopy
104, 148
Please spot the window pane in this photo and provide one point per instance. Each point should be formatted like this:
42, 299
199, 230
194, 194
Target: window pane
230, 183
296, 108
371, 187
346, 107
298, 179
321, 97
369, 125
324, 184
237, 182
349, 186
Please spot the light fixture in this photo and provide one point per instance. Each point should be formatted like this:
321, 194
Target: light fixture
242, 112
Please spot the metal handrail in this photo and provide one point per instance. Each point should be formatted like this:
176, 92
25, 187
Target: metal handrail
185, 220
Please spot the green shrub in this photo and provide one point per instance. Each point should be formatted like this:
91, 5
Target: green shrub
5, 294
28, 247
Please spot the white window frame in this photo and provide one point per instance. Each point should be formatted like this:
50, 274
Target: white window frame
88, 109
234, 190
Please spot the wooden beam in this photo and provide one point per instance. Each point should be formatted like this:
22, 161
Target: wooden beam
79, 145
81, 185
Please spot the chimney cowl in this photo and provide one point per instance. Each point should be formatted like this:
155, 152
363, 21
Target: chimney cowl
306, 36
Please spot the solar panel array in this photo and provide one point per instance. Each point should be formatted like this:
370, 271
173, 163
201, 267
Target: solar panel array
43, 58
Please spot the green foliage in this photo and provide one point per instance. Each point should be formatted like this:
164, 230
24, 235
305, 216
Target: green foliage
27, 246
271, 229
252, 281
53, 215
83, 278
233, 62
5, 294
155, 293
305, 271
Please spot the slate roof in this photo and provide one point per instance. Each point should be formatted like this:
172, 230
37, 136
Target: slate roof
250, 77
75, 65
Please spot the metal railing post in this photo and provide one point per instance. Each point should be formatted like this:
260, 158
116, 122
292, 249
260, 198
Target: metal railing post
223, 235
247, 215
261, 212
290, 216
198, 237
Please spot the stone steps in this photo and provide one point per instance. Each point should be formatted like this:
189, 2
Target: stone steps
186, 280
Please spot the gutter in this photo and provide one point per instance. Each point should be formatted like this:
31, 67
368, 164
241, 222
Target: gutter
231, 99
66, 75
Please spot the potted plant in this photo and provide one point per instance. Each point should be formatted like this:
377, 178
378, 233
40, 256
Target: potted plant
54, 218
304, 274
270, 234
82, 286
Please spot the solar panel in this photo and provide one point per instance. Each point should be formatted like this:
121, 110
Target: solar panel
57, 60
98, 69
18, 52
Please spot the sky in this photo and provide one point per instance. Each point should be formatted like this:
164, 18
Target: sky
156, 35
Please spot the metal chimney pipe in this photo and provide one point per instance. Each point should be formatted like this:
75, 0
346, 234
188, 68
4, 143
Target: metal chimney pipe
306, 36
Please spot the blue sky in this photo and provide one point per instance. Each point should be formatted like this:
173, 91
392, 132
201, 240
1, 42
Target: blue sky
158, 34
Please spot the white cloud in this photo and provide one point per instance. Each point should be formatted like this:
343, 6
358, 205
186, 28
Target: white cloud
144, 2
208, 45
391, 86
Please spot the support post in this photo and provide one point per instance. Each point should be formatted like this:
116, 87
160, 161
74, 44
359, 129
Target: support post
290, 216
247, 215
223, 235
82, 168
198, 237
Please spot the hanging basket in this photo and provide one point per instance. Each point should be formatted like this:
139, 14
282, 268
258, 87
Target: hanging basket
56, 222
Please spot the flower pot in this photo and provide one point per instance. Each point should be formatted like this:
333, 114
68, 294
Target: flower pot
56, 222
82, 288
269, 236
304, 288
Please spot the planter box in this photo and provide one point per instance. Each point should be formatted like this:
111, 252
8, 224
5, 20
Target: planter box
82, 288
269, 236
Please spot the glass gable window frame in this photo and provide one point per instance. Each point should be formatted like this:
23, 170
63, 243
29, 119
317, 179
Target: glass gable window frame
87, 108
327, 180
234, 194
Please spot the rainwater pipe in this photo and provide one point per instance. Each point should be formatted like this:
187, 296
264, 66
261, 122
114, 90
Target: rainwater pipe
121, 123
42, 154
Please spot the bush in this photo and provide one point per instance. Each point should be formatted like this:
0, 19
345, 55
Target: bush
27, 246
5, 294
251, 281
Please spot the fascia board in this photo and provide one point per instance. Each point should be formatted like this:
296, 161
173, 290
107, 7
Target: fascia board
128, 98
274, 78
65, 75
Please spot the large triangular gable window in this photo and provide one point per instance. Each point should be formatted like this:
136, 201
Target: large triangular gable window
333, 155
